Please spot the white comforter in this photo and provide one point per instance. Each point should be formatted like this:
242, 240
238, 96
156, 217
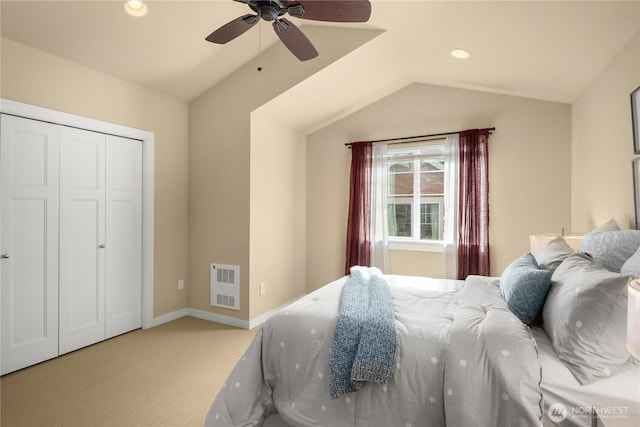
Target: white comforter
462, 359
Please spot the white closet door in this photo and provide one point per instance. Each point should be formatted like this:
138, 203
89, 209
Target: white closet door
82, 238
124, 235
29, 228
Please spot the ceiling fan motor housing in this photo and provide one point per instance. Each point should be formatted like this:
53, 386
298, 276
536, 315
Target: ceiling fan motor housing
269, 10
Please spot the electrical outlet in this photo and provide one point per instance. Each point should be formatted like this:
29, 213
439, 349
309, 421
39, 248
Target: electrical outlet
263, 288
180, 284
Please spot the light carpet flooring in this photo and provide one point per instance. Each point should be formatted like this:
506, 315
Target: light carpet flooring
163, 376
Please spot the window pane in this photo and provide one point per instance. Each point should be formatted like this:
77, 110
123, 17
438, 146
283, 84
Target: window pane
430, 221
401, 178
399, 219
431, 183
401, 166
434, 164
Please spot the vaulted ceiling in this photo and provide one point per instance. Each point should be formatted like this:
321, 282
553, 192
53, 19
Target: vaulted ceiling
540, 49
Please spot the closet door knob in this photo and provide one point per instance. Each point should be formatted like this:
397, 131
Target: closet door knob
102, 246
4, 256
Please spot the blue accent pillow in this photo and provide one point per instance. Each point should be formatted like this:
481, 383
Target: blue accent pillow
524, 286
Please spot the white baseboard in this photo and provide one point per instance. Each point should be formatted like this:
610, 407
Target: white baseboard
218, 318
157, 321
264, 317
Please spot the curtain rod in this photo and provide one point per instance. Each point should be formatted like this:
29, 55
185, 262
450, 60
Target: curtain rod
349, 144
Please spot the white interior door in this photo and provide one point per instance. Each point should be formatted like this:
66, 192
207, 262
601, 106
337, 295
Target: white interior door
82, 238
72, 215
29, 229
124, 235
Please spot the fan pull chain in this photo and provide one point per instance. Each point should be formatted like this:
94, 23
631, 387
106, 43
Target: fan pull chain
259, 41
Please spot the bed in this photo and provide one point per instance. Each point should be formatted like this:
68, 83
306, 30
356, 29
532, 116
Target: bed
618, 394
465, 353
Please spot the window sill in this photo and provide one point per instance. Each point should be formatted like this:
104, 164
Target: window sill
435, 246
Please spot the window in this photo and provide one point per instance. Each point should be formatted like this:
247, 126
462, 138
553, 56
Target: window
415, 194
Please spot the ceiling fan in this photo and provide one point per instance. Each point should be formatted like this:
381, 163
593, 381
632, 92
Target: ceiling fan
291, 36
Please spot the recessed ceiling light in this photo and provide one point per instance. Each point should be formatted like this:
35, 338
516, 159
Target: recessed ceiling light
135, 7
460, 53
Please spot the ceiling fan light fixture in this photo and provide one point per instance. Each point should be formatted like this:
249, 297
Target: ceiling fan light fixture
460, 53
135, 8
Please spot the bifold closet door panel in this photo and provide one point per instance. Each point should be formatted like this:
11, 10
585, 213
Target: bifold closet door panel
29, 248
82, 238
124, 236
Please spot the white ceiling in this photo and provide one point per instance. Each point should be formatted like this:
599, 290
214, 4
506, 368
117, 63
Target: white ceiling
541, 49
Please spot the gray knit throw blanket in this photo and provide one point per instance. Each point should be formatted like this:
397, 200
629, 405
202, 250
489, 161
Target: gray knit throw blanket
364, 341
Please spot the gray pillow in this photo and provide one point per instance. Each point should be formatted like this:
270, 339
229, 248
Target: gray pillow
611, 248
524, 287
610, 225
585, 316
631, 266
553, 253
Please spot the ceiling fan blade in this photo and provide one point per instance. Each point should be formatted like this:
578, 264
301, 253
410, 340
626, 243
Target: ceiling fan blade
331, 10
294, 39
233, 29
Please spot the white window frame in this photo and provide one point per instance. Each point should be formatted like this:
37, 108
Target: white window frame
415, 243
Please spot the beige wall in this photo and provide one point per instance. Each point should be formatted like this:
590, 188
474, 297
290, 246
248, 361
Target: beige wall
278, 174
34, 77
417, 263
225, 176
529, 171
602, 183
231, 220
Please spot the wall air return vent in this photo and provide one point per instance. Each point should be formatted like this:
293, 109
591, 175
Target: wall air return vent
225, 286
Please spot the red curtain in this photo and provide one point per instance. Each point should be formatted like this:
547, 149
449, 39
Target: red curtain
473, 204
359, 221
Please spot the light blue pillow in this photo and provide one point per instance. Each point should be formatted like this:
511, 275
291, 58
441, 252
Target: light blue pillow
524, 287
